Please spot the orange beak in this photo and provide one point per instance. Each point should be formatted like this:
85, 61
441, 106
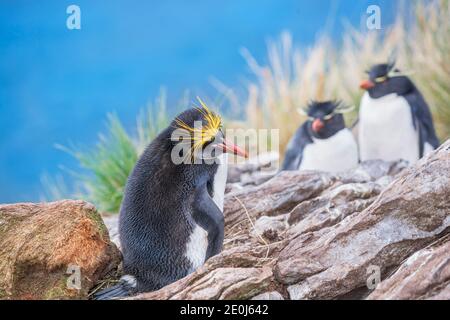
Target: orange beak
366, 84
230, 147
317, 125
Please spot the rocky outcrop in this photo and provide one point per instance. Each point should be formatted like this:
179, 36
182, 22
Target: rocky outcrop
254, 171
381, 231
53, 250
313, 235
424, 275
216, 283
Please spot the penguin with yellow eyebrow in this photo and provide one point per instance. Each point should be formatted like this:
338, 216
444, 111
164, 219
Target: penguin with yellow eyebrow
322, 142
171, 218
395, 121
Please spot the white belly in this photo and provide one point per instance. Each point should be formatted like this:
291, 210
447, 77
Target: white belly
386, 129
335, 154
196, 247
220, 181
198, 241
427, 148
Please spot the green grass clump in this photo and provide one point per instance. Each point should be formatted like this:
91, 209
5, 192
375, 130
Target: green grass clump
105, 167
108, 166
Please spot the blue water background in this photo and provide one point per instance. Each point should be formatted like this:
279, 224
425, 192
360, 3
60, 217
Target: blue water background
56, 84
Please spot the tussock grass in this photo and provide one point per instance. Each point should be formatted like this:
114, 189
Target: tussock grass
333, 71
107, 166
292, 76
104, 169
429, 51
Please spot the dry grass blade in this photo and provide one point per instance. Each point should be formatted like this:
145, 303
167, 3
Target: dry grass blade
266, 244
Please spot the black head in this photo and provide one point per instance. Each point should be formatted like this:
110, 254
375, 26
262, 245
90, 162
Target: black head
198, 133
385, 79
191, 145
325, 118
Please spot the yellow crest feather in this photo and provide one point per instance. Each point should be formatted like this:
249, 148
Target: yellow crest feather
209, 129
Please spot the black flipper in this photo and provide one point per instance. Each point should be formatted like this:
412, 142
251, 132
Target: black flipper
123, 289
208, 216
422, 115
294, 153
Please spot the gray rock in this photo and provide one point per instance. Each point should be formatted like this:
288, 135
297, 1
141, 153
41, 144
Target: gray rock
112, 223
338, 236
270, 225
422, 276
272, 295
413, 211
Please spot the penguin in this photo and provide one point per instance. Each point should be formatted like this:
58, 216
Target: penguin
395, 122
322, 142
171, 217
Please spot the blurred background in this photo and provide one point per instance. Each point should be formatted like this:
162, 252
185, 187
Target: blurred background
78, 106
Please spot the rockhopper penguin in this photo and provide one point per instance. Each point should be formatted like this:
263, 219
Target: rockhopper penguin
322, 142
171, 218
394, 119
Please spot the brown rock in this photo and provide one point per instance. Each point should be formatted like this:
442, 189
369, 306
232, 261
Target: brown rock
273, 295
425, 275
256, 222
308, 235
276, 196
288, 189
334, 205
411, 212
255, 170
220, 283
42, 244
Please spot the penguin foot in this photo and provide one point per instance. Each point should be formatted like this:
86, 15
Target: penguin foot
124, 288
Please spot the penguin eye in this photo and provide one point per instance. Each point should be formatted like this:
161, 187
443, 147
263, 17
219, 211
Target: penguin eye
380, 79
328, 116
